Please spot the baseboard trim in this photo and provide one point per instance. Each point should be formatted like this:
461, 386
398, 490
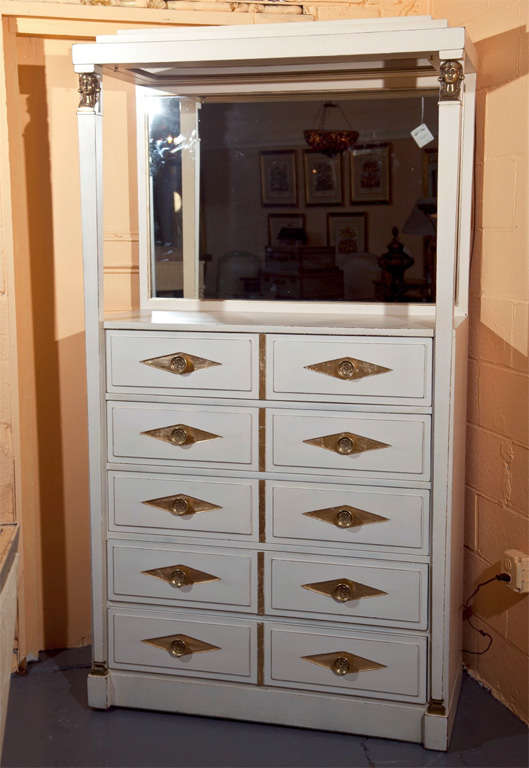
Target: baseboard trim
367, 717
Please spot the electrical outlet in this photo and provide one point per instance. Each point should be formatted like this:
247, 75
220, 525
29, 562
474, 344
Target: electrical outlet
516, 565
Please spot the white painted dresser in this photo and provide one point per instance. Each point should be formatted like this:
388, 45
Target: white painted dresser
276, 489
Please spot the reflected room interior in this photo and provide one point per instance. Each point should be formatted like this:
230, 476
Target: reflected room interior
304, 198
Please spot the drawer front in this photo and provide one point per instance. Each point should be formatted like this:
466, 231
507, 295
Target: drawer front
388, 666
176, 575
203, 364
345, 516
183, 505
204, 647
377, 592
331, 442
350, 370
188, 435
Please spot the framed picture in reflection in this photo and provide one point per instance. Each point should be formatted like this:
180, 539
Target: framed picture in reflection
371, 174
278, 177
323, 179
347, 232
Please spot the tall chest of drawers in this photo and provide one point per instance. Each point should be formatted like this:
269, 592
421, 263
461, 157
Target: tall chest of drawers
276, 496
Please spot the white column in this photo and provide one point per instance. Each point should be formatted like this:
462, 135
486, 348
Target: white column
447, 232
90, 120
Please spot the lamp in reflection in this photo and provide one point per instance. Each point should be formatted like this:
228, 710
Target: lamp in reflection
330, 141
422, 221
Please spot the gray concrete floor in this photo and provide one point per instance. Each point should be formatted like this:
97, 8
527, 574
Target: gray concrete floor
50, 724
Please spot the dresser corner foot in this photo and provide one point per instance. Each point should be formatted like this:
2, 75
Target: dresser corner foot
436, 732
99, 687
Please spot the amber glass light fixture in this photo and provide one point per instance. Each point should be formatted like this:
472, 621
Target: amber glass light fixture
330, 141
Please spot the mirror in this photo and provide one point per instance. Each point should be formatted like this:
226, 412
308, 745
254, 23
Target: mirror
301, 198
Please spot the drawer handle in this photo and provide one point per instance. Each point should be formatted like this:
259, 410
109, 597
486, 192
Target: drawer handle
179, 363
345, 516
180, 435
345, 519
346, 443
181, 645
343, 590
179, 576
178, 648
343, 663
181, 505
347, 368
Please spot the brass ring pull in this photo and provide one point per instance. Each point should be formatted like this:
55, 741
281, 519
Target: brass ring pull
342, 592
178, 578
346, 369
181, 506
341, 666
181, 364
178, 648
180, 436
344, 519
345, 445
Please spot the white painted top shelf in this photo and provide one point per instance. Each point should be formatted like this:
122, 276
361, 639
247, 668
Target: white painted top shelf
389, 323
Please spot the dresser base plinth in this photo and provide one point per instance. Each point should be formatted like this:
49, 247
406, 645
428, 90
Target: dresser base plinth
438, 727
99, 691
301, 709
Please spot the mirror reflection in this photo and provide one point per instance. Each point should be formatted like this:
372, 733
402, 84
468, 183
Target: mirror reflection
165, 191
305, 198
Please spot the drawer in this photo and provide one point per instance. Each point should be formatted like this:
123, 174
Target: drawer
380, 445
346, 516
143, 640
190, 435
200, 364
387, 666
179, 504
377, 592
180, 575
350, 370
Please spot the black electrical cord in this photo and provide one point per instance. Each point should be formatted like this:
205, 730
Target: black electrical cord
467, 612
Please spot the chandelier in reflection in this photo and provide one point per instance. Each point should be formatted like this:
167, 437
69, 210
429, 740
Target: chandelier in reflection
330, 141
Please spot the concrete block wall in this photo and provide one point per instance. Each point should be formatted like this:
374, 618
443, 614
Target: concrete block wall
497, 515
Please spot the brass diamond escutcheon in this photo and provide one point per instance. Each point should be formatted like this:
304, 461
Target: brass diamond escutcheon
345, 516
343, 663
347, 368
346, 443
180, 434
181, 575
181, 645
181, 505
179, 363
343, 590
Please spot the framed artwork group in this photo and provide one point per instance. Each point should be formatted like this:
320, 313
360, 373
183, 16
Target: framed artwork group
369, 177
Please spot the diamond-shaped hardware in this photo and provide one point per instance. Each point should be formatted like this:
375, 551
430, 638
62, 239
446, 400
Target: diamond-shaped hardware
343, 663
179, 363
346, 443
345, 516
181, 505
180, 434
343, 590
179, 576
347, 368
181, 645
